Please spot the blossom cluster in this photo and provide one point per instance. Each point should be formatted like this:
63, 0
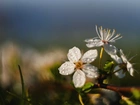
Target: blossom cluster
80, 65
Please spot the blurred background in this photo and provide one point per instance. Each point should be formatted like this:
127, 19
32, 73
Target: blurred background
65, 23
38, 33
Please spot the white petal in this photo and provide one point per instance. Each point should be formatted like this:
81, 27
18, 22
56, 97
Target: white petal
130, 69
89, 56
120, 73
89, 40
94, 43
123, 56
92, 39
110, 49
74, 54
116, 58
79, 78
91, 71
66, 68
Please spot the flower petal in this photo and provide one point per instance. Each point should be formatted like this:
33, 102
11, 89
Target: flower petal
123, 56
79, 78
66, 68
116, 58
110, 49
74, 54
119, 74
130, 69
89, 56
94, 42
90, 71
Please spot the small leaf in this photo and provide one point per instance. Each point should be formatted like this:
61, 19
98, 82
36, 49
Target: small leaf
126, 101
108, 67
87, 87
136, 93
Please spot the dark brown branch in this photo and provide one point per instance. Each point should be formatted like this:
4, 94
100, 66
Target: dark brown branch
121, 90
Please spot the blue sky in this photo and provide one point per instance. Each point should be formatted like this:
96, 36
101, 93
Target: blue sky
49, 21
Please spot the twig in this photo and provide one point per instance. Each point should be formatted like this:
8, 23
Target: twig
22, 83
118, 89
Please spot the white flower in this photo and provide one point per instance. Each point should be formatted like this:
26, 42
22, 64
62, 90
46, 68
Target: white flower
124, 65
81, 65
104, 39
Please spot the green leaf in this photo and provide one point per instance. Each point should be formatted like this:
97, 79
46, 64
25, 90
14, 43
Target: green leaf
136, 93
108, 67
87, 87
126, 101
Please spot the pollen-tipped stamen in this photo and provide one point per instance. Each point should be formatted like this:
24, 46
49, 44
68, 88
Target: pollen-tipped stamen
118, 36
98, 33
111, 35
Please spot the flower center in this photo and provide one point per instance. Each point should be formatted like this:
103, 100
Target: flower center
79, 65
123, 66
105, 42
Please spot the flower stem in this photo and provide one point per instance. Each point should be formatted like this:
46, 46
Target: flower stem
80, 99
22, 83
101, 56
116, 71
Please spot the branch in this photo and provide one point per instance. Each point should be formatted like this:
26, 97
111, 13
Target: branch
121, 90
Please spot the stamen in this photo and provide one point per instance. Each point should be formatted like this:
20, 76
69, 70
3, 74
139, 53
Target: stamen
98, 32
132, 57
116, 38
101, 32
79, 65
105, 34
105, 42
123, 66
110, 36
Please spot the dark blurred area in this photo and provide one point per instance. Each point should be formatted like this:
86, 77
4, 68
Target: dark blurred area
37, 34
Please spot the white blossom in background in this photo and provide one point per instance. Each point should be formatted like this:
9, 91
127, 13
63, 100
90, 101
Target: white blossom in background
123, 65
104, 39
80, 66
10, 56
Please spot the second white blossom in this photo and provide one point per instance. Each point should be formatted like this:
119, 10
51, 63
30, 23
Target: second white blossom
123, 65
